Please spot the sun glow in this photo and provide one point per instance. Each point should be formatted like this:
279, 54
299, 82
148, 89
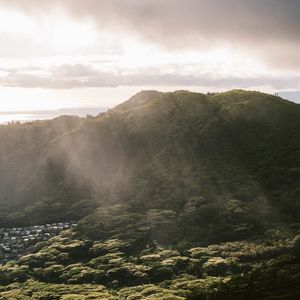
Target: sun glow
57, 36
223, 60
18, 23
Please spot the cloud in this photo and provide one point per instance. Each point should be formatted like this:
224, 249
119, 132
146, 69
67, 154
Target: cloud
269, 29
68, 76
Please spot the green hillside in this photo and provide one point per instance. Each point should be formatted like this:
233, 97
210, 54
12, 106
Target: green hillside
226, 165
177, 196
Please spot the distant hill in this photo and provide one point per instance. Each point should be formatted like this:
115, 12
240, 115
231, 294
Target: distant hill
176, 167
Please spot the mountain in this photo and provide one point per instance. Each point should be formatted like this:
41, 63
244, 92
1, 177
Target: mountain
177, 196
225, 165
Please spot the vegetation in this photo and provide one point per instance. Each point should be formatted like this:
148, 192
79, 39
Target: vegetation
67, 268
225, 164
178, 196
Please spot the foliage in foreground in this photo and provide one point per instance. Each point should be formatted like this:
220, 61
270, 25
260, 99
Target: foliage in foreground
66, 268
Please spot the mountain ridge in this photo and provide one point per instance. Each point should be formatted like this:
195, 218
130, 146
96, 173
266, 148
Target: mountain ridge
177, 196
167, 152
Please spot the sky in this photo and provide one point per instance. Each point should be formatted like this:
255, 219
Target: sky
89, 53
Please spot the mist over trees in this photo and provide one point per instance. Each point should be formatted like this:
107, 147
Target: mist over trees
223, 164
177, 196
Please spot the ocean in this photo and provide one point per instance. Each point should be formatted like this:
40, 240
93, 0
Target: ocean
6, 117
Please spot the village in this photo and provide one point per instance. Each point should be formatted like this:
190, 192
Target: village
16, 242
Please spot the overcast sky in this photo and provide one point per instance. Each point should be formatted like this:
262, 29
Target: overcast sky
71, 53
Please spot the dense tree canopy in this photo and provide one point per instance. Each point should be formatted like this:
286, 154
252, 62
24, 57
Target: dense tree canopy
223, 164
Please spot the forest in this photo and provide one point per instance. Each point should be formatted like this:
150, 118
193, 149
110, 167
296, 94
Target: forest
177, 196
